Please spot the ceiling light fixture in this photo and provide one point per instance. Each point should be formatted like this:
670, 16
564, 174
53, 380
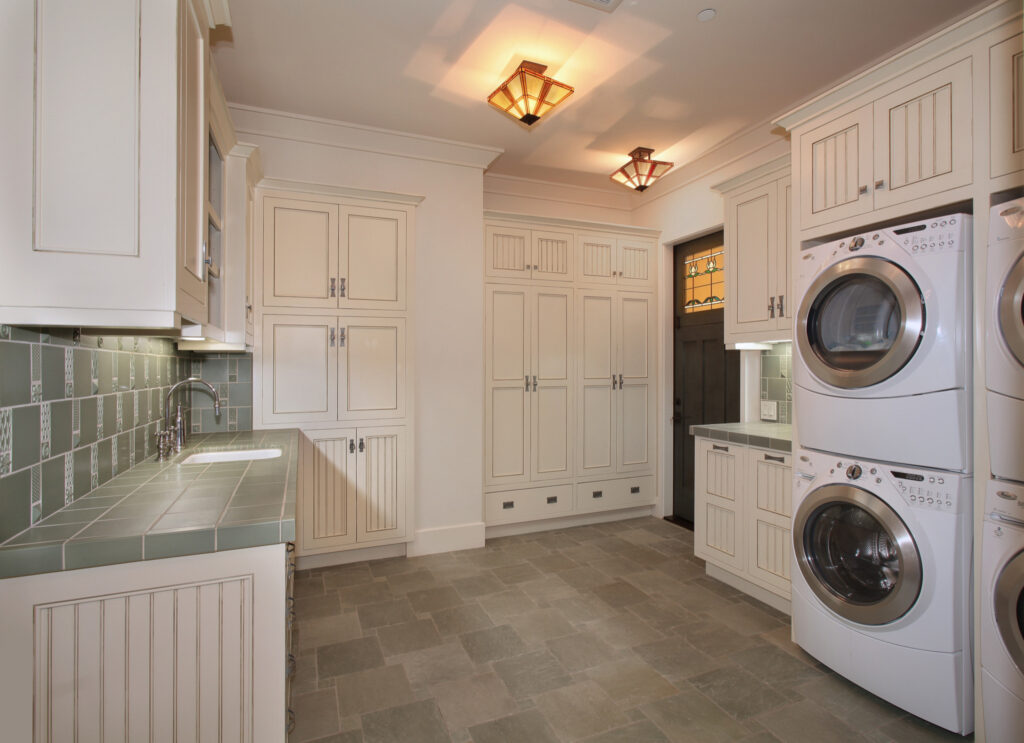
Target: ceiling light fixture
528, 94
641, 171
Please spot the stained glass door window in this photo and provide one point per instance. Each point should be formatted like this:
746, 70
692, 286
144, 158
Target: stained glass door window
704, 279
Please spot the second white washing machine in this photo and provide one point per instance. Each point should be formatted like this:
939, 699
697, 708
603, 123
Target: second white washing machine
882, 366
882, 584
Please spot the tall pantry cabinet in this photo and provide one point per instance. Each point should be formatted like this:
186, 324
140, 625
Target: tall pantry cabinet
334, 357
570, 368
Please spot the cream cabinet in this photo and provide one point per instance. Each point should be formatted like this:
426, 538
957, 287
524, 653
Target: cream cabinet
522, 253
354, 493
529, 382
742, 512
609, 259
323, 253
104, 193
758, 239
615, 348
911, 143
1006, 101
318, 368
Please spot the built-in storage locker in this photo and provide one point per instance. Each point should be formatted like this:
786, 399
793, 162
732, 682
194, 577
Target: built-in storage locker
1006, 103
718, 486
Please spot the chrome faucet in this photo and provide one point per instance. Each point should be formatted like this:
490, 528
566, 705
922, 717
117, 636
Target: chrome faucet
172, 437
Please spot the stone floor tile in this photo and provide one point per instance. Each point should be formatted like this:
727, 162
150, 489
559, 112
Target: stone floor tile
473, 700
548, 588
746, 619
539, 626
311, 607
643, 731
860, 709
459, 619
585, 577
366, 593
616, 566
316, 715
435, 665
348, 657
738, 692
306, 677
644, 556
806, 722
501, 606
681, 570
477, 585
631, 682
433, 599
675, 659
346, 575
580, 710
552, 563
625, 630
518, 573
372, 616
689, 718
912, 729
523, 727
532, 673
318, 631
692, 597
419, 721
414, 580
776, 667
418, 634
391, 566
716, 639
349, 736
493, 643
662, 615
308, 586
372, 690
580, 608
581, 651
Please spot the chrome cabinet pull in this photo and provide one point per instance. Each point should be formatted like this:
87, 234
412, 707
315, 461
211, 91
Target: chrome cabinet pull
770, 458
552, 499
362, 446
334, 287
614, 383
621, 385
341, 287
598, 494
534, 382
880, 184
716, 447
634, 489
508, 504
862, 190
771, 306
527, 378
780, 305
341, 337
351, 446
332, 338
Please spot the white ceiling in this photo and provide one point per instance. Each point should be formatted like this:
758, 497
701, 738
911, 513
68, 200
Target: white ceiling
648, 74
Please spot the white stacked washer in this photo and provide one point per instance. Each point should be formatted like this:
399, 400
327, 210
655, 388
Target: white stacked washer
882, 590
883, 365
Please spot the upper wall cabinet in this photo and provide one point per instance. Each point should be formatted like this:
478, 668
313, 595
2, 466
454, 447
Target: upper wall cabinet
611, 259
519, 253
104, 144
325, 253
909, 144
1006, 96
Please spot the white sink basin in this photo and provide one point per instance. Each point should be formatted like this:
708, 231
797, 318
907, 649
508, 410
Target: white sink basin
244, 455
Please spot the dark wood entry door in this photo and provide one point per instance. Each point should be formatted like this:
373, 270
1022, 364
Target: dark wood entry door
707, 380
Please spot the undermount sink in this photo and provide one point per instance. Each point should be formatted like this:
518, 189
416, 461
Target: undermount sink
238, 455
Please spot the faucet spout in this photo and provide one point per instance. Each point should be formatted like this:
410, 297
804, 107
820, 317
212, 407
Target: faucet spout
176, 428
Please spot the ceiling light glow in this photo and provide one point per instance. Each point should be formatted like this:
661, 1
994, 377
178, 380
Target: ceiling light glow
641, 171
528, 94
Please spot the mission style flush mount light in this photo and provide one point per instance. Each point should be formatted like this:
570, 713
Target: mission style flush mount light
641, 171
528, 94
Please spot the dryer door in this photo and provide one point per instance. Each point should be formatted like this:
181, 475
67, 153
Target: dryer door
1009, 608
860, 322
1011, 312
856, 554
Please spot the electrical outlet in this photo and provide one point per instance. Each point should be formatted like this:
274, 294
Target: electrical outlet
769, 410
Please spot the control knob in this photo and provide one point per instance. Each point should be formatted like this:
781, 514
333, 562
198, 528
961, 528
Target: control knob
853, 472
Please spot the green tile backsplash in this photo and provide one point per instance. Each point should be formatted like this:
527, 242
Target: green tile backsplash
76, 410
777, 378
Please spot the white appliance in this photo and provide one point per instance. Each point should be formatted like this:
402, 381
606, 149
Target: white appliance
883, 363
882, 583
1004, 340
1002, 613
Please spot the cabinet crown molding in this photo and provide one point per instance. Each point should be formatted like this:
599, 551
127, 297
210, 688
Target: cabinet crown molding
529, 219
774, 167
297, 187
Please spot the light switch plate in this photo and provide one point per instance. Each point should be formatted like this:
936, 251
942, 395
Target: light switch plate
769, 410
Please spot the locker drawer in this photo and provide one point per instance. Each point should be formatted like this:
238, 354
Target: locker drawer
604, 495
510, 506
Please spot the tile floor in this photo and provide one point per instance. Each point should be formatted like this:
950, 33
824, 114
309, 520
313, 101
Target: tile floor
606, 634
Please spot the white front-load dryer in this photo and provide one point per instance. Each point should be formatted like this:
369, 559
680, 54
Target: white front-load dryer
882, 580
1002, 613
882, 364
1004, 340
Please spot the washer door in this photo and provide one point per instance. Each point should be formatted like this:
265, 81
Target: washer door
1009, 608
856, 554
1010, 311
860, 322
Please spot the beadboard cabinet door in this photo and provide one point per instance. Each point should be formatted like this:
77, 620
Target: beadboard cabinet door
300, 253
718, 478
300, 368
596, 258
1006, 97
380, 483
636, 260
507, 252
327, 517
770, 479
836, 169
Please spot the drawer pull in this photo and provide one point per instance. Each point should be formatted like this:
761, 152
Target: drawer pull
599, 494
552, 499
770, 458
508, 504
635, 489
716, 447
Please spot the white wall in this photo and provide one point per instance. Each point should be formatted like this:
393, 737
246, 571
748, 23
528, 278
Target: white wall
541, 199
448, 301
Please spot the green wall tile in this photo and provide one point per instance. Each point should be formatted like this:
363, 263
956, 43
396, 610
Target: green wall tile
53, 485
82, 471
53, 373
83, 372
15, 374
105, 461
105, 364
26, 435
15, 503
124, 371
123, 444
109, 415
60, 427
87, 421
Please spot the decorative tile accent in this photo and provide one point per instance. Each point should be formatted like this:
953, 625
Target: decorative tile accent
131, 448
197, 367
94, 467
69, 372
113, 456
37, 494
45, 426
5, 331
37, 373
69, 479
6, 442
76, 423
94, 363
120, 414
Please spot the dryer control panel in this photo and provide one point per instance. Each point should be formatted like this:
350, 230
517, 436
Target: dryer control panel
931, 236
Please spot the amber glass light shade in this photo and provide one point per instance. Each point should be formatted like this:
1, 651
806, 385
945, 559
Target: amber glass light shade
641, 171
528, 94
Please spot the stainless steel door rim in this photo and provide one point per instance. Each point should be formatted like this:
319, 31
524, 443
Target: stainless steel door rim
912, 321
1008, 595
1011, 321
894, 600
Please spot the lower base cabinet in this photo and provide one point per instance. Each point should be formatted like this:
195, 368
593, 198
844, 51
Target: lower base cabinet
551, 501
742, 512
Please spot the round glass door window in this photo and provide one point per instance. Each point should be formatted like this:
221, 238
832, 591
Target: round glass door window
860, 322
1011, 310
856, 555
1009, 608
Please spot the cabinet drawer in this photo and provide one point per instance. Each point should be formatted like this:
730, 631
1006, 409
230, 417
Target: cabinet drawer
511, 506
604, 495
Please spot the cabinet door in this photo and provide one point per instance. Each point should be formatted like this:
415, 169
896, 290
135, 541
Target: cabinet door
835, 169
250, 236
507, 370
636, 344
596, 374
1006, 91
552, 255
300, 253
923, 137
192, 159
372, 259
551, 384
327, 512
371, 366
718, 529
508, 252
596, 261
636, 262
299, 369
752, 237
784, 308
380, 483
770, 491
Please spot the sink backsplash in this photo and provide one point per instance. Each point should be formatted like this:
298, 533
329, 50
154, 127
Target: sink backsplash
77, 409
777, 379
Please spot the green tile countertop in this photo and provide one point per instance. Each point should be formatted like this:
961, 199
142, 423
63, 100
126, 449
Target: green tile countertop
777, 436
169, 509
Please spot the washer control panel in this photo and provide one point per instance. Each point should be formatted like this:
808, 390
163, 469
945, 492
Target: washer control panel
1005, 500
929, 489
931, 236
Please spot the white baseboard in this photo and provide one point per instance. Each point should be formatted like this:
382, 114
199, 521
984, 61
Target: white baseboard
751, 589
528, 527
344, 557
447, 539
